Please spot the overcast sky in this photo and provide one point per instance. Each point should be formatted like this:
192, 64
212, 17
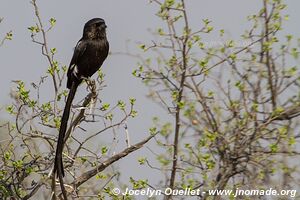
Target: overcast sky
20, 59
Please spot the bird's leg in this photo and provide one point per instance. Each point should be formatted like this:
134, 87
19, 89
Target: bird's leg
91, 84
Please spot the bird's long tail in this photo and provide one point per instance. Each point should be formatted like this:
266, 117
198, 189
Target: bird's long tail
58, 163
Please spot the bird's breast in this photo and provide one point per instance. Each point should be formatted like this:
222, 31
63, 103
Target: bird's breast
93, 57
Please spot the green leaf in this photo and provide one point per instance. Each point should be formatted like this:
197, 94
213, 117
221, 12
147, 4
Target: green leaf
101, 176
33, 29
142, 160
210, 94
240, 85
52, 21
289, 37
166, 129
233, 56
132, 101
143, 47
57, 122
222, 31
18, 164
277, 111
10, 109
133, 113
139, 184
9, 36
181, 104
160, 31
254, 107
203, 63
109, 116
105, 106
170, 3
230, 43
22, 92
47, 106
104, 150
32, 103
292, 71
196, 38
292, 141
53, 51
209, 29
153, 130
134, 73
83, 159
201, 45
295, 53
273, 148
64, 68
121, 105
206, 21
101, 75
163, 161
7, 155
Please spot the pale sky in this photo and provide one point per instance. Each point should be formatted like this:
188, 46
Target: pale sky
20, 59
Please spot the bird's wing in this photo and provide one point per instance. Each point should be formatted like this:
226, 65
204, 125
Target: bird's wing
78, 52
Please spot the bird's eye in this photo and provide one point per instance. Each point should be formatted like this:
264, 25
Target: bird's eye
98, 24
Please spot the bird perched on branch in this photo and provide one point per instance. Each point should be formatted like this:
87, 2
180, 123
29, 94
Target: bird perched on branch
89, 54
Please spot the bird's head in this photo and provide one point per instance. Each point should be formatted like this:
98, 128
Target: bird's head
95, 29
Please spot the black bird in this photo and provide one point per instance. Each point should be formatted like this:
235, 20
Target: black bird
89, 54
